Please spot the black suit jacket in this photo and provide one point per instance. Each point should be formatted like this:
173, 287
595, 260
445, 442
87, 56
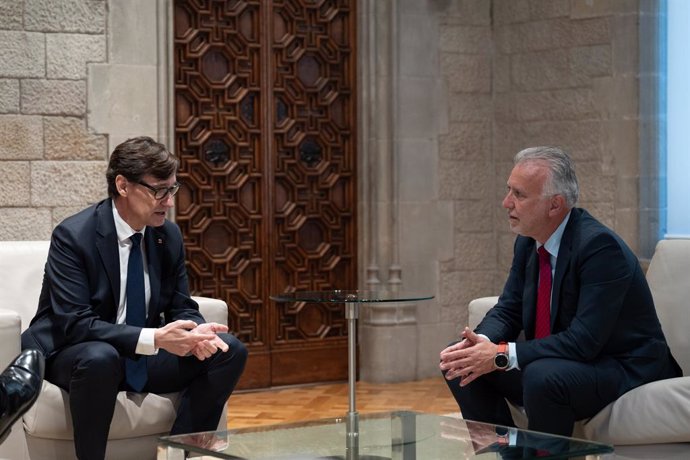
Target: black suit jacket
81, 284
602, 309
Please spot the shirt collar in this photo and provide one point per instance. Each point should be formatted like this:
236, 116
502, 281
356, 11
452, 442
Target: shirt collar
554, 241
124, 231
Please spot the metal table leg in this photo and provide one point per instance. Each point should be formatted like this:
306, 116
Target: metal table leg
351, 314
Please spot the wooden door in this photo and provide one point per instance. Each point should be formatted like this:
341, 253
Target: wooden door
264, 129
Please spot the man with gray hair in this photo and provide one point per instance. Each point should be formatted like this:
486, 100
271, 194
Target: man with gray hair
578, 293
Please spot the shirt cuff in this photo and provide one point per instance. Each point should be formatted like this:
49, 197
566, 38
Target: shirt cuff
512, 436
512, 357
512, 354
146, 343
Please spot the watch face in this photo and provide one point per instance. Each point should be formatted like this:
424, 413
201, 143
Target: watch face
501, 361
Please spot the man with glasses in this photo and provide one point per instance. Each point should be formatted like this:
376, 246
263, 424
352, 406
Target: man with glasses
115, 311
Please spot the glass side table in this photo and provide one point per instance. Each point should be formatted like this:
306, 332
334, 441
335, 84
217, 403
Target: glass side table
352, 301
399, 435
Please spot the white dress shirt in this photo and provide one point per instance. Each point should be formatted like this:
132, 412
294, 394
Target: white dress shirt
146, 343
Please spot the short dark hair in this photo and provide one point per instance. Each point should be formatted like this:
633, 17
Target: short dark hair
137, 157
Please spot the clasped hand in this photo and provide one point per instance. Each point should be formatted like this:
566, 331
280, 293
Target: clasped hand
184, 337
469, 358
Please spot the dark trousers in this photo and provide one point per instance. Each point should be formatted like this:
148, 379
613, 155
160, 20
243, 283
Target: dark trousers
93, 373
554, 392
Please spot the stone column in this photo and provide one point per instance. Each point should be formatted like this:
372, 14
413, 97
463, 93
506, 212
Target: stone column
388, 331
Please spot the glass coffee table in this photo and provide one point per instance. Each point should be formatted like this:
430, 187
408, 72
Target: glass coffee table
352, 300
391, 435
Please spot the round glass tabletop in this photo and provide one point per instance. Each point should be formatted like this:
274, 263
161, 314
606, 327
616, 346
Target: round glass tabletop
354, 296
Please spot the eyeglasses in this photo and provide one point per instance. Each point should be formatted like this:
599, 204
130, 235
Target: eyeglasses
160, 193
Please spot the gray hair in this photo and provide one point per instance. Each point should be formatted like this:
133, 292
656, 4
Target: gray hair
562, 180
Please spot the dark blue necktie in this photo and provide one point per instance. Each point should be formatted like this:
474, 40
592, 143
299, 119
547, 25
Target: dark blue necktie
135, 370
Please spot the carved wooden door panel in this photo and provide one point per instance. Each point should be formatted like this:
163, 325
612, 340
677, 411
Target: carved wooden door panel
264, 129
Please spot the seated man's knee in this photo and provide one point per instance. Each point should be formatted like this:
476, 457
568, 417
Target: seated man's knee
236, 356
237, 348
540, 380
99, 360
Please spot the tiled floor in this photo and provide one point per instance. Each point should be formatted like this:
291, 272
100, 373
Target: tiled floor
330, 400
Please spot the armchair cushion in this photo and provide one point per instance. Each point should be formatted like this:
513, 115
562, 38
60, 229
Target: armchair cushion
213, 310
141, 413
657, 412
479, 308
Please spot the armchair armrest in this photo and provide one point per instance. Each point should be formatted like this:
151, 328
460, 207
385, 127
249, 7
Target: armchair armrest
478, 309
213, 310
10, 331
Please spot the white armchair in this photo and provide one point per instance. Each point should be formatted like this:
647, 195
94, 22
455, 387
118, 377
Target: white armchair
46, 429
658, 412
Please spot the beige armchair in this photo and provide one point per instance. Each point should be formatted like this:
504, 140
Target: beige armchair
46, 429
658, 412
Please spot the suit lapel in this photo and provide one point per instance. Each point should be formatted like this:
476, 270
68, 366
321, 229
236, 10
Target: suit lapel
562, 264
530, 293
154, 243
107, 246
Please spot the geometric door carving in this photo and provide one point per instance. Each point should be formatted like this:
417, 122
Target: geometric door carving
265, 133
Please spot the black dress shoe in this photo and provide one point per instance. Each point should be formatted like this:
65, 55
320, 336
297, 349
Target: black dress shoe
20, 384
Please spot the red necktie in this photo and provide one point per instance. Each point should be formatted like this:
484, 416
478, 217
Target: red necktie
543, 323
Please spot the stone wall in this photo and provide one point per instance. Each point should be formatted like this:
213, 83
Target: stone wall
76, 78
51, 162
533, 72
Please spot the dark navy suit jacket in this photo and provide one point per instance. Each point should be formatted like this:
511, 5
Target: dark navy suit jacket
602, 310
81, 284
